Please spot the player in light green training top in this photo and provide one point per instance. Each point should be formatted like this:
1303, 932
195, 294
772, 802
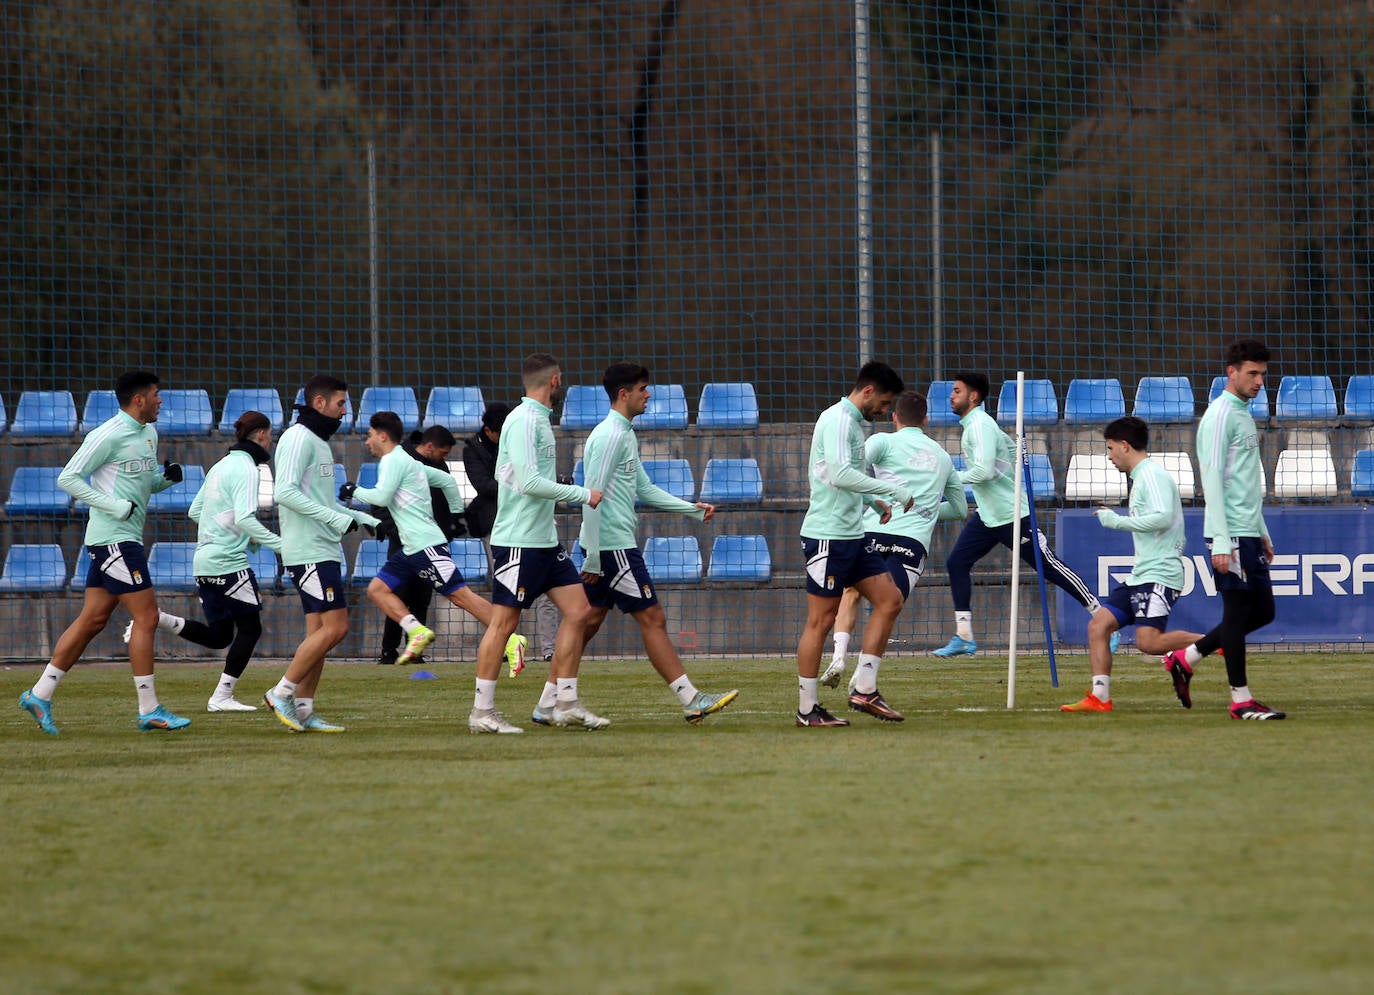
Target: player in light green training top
613, 569
1156, 578
913, 458
120, 457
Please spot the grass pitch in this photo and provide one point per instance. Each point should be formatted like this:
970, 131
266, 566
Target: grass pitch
968, 850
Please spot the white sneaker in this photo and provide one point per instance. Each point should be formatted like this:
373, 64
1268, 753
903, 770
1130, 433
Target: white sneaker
228, 705
575, 716
128, 631
490, 721
833, 673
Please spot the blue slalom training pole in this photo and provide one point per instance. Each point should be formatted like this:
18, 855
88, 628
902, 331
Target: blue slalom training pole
1039, 563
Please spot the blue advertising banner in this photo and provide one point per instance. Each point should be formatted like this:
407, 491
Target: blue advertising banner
1323, 573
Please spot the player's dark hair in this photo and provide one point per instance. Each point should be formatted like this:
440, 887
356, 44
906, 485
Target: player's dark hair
880, 376
494, 415
438, 437
250, 422
322, 385
976, 382
537, 369
911, 408
1246, 351
131, 383
1131, 430
388, 423
621, 376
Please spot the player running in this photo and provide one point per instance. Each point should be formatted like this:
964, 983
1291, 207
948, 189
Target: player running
613, 569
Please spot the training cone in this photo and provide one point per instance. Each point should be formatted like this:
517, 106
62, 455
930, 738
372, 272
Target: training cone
423, 675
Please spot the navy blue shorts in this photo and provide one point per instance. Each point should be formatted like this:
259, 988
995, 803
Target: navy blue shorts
520, 575
120, 568
228, 595
904, 557
320, 586
1141, 604
1249, 569
834, 564
434, 566
624, 583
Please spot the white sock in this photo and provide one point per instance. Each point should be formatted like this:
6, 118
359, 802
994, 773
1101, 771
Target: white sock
47, 682
485, 698
168, 622
409, 624
567, 690
1102, 687
224, 690
284, 688
1191, 655
305, 707
806, 699
866, 673
841, 645
963, 625
550, 696
147, 694
684, 689
1241, 694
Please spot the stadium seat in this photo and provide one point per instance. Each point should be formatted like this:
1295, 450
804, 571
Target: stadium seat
1041, 404
265, 566
170, 566
575, 554
673, 559
1164, 400
728, 405
1305, 398
1259, 406
673, 475
185, 412
101, 406
1180, 467
83, 567
369, 559
241, 399
367, 477
266, 488
4, 418
731, 481
1042, 479
584, 407
177, 498
340, 475
1093, 401
458, 409
1305, 474
34, 491
459, 472
740, 558
398, 399
44, 412
1092, 478
344, 426
960, 465
1362, 475
471, 558
667, 408
1359, 399
31, 568
937, 398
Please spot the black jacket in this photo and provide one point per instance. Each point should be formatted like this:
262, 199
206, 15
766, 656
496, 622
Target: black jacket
479, 459
451, 524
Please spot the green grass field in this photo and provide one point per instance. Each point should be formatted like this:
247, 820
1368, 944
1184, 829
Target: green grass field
968, 850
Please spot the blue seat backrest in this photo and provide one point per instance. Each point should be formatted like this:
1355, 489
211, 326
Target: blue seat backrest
740, 558
584, 407
101, 406
1164, 400
1041, 404
731, 481
1305, 398
170, 565
398, 399
673, 475
1362, 474
673, 559
458, 409
667, 408
369, 559
241, 399
185, 412
44, 412
1359, 398
471, 558
34, 567
937, 399
1093, 401
728, 406
34, 491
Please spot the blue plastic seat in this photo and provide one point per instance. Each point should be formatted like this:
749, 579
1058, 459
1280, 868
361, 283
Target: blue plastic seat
367, 477
1094, 401
1362, 475
576, 555
1305, 398
1164, 400
170, 566
731, 481
471, 558
241, 399
265, 566
398, 399
1359, 398
34, 491
178, 497
185, 412
1041, 404
728, 405
1042, 479
667, 408
1259, 405
458, 409
584, 407
101, 406
340, 475
673, 559
673, 475
960, 465
44, 412
740, 558
31, 568
937, 397
370, 558
83, 567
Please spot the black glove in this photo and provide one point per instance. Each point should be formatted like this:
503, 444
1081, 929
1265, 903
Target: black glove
346, 491
457, 527
564, 478
352, 526
386, 530
133, 510
172, 471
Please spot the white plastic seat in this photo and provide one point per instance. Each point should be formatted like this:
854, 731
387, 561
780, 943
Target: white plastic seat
1180, 467
1305, 474
1092, 477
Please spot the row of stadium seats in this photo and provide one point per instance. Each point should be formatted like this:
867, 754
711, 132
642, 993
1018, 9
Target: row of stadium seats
41, 567
1166, 400
459, 409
